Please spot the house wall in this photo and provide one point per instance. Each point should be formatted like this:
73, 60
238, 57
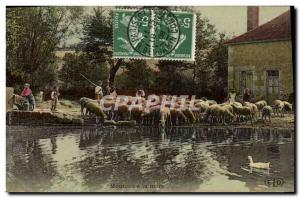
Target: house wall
259, 57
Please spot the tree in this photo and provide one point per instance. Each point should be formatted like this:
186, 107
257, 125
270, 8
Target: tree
33, 34
218, 59
137, 75
173, 78
207, 75
80, 63
97, 40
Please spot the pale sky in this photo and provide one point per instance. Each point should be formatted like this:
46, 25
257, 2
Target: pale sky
233, 19
229, 19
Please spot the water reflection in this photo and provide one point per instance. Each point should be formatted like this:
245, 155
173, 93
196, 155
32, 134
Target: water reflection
147, 159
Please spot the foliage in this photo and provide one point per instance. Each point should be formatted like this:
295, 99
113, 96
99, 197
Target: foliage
80, 63
172, 79
208, 74
33, 34
137, 75
97, 40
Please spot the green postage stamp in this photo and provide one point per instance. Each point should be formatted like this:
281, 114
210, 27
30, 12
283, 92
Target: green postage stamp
154, 33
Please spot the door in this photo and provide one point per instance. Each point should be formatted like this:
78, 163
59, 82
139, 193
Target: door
272, 85
246, 81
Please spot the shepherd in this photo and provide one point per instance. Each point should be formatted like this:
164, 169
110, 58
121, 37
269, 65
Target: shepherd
54, 98
28, 98
98, 91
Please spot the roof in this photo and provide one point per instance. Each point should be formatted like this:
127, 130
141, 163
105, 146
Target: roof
277, 29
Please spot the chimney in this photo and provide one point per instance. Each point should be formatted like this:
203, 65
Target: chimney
252, 17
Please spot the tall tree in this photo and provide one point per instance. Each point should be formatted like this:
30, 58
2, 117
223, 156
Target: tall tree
33, 34
97, 40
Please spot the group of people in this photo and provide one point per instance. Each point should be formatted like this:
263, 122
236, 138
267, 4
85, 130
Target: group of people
108, 90
111, 91
249, 97
29, 101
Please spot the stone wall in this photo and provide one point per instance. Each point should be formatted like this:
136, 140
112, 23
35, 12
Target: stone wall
41, 118
259, 57
9, 98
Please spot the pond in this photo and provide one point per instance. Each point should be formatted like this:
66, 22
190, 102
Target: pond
146, 159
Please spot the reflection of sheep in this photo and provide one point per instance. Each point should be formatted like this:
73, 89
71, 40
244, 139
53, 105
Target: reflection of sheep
266, 111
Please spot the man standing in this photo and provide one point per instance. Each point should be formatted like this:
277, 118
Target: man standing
140, 93
247, 95
54, 98
98, 91
107, 88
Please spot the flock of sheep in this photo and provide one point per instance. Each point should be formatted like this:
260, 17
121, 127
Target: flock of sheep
177, 112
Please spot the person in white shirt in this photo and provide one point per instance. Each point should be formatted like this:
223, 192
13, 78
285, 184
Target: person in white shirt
232, 95
113, 92
54, 98
140, 93
98, 92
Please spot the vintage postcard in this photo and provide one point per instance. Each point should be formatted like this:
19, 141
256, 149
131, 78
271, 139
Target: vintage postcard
149, 99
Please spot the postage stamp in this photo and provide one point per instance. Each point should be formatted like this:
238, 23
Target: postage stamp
155, 33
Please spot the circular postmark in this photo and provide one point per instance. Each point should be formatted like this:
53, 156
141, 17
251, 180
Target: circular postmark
153, 31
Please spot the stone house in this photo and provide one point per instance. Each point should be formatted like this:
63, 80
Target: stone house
261, 58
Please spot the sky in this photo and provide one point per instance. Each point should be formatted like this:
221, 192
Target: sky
229, 19
233, 19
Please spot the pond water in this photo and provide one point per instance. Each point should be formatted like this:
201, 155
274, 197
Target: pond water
181, 159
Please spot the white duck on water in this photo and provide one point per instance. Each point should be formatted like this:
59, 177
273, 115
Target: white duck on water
258, 165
